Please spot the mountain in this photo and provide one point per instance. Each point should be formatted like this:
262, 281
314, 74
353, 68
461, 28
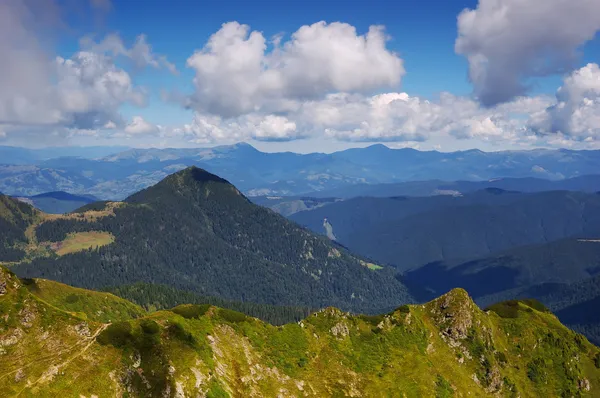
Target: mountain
196, 232
558, 262
447, 347
57, 202
288, 205
409, 232
256, 173
23, 156
587, 183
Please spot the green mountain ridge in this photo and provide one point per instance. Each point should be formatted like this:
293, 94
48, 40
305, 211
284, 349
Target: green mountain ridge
195, 232
445, 348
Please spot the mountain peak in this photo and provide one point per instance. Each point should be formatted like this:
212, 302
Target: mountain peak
198, 174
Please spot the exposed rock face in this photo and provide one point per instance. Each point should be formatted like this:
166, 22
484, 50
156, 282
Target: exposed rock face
3, 289
454, 313
584, 384
340, 329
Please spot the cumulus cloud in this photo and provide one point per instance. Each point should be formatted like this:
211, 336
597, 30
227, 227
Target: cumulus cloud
235, 74
90, 89
140, 126
508, 41
84, 91
207, 128
389, 117
576, 113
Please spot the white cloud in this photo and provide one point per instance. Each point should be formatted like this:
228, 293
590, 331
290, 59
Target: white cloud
508, 41
110, 125
211, 129
84, 91
140, 53
389, 117
140, 126
90, 89
275, 128
236, 75
576, 114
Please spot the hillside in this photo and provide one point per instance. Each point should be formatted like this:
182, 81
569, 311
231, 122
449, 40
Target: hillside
587, 183
447, 347
15, 218
197, 233
409, 232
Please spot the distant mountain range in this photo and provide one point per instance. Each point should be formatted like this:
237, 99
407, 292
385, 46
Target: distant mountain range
57, 202
118, 175
23, 156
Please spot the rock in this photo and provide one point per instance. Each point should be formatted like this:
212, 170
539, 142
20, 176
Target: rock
3, 288
27, 316
19, 375
82, 329
494, 380
340, 330
12, 338
584, 384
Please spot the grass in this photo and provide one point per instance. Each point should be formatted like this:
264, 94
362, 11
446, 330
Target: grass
80, 241
371, 266
198, 350
87, 304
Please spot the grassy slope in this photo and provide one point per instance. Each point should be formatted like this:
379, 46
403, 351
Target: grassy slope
86, 304
79, 241
438, 349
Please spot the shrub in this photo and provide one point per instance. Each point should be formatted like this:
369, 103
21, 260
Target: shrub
597, 360
536, 371
72, 298
190, 311
443, 388
232, 316
506, 309
178, 331
372, 319
117, 334
149, 326
501, 357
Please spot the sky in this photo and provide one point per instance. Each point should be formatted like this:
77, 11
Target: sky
301, 76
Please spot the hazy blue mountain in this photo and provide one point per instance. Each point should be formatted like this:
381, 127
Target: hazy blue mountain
587, 183
409, 232
256, 173
562, 261
57, 202
288, 205
17, 155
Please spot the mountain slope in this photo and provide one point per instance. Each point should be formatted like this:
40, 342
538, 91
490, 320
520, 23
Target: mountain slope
587, 183
448, 347
411, 232
15, 218
196, 232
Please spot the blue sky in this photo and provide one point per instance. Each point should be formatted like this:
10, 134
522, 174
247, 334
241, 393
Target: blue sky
420, 34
